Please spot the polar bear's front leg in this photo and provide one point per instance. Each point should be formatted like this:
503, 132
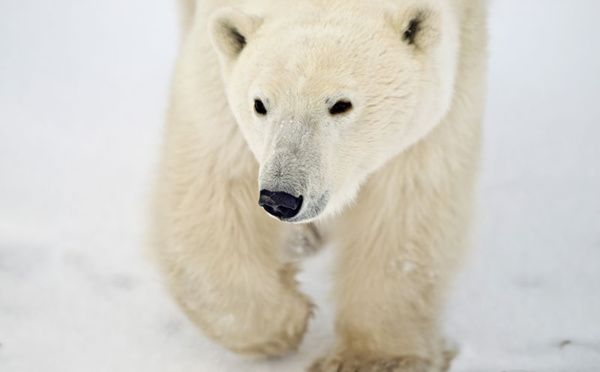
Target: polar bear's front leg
399, 246
220, 254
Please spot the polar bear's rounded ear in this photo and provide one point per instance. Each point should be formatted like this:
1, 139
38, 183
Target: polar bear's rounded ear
229, 30
419, 24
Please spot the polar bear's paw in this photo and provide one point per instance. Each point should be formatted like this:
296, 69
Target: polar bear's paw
275, 332
349, 363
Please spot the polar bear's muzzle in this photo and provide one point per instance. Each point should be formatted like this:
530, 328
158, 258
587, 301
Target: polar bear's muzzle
294, 177
292, 186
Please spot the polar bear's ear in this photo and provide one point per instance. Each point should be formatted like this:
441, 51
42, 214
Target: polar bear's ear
229, 29
419, 25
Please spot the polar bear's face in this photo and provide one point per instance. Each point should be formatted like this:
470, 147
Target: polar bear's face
325, 97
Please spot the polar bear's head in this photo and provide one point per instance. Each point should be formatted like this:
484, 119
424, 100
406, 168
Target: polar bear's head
325, 95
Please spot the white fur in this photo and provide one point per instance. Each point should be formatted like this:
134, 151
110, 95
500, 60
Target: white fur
390, 182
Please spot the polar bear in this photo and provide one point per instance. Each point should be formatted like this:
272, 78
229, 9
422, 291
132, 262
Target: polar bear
354, 122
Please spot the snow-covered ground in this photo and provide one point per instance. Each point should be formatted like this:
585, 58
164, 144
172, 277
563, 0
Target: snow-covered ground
82, 94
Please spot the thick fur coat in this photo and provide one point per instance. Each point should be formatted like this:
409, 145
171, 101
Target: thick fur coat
366, 115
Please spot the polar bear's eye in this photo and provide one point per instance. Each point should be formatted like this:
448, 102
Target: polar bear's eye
259, 107
340, 107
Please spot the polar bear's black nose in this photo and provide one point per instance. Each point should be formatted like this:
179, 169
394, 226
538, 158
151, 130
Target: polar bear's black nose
280, 204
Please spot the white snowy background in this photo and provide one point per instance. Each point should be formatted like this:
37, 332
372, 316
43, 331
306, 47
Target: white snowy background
83, 87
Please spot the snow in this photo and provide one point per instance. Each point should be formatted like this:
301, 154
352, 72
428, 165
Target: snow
83, 89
